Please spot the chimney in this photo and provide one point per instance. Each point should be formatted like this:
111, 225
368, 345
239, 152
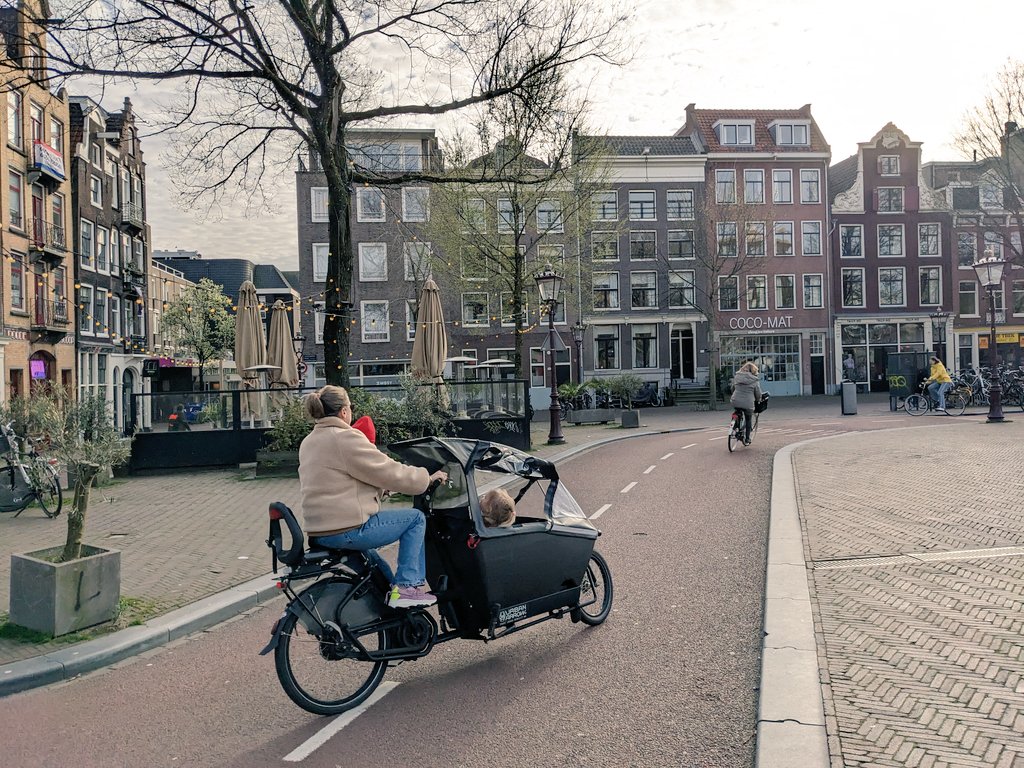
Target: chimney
1010, 128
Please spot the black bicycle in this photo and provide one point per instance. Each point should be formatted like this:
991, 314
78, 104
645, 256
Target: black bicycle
26, 480
737, 429
921, 402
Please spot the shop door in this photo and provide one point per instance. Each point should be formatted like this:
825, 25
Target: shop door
681, 351
817, 375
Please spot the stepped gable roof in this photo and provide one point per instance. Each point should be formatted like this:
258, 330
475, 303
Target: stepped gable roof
702, 122
842, 175
656, 146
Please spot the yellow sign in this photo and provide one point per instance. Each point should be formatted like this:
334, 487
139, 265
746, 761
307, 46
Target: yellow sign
1007, 338
983, 342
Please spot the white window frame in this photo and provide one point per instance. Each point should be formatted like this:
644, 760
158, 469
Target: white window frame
901, 198
725, 186
757, 228
103, 327
903, 242
842, 288
737, 133
641, 211
319, 318
647, 287
409, 194
972, 239
487, 310
820, 288
972, 291
682, 280
782, 140
115, 317
727, 279
816, 182
86, 328
938, 280
551, 211
634, 335
475, 215
318, 204
613, 334
423, 259
22, 225
722, 229
102, 240
859, 228
15, 118
363, 195
599, 205
612, 237
808, 235
642, 237
95, 190
364, 328
753, 175
365, 254
791, 226
507, 217
410, 319
320, 251
19, 261
752, 284
903, 285
778, 304
938, 239
90, 239
683, 206
782, 178
882, 161
670, 240
608, 290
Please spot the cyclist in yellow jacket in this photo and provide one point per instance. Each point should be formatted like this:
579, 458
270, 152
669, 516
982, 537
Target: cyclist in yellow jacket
938, 382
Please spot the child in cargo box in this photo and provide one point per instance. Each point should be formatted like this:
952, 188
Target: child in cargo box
498, 509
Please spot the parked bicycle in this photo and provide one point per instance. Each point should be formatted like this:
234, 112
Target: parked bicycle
736, 431
922, 402
28, 479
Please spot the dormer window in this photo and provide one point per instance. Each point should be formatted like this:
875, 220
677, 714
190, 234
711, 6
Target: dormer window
735, 133
792, 134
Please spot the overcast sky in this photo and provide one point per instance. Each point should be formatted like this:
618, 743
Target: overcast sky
859, 64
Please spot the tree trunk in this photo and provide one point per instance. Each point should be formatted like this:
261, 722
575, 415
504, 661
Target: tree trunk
85, 474
337, 321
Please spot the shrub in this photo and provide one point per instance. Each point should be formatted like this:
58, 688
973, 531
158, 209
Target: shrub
290, 428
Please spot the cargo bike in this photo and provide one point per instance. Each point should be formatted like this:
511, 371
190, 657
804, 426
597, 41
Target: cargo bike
337, 635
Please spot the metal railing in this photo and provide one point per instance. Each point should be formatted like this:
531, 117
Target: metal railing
50, 313
48, 235
131, 213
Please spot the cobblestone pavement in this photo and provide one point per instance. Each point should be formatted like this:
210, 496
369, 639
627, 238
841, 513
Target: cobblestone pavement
915, 544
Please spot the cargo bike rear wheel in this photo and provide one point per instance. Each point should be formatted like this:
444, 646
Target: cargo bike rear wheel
595, 589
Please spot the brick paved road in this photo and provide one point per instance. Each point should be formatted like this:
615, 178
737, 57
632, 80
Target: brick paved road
922, 658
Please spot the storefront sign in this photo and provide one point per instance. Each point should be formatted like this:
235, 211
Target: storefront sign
758, 323
1007, 338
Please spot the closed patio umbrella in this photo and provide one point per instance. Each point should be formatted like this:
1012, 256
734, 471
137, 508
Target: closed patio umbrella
280, 352
250, 344
431, 345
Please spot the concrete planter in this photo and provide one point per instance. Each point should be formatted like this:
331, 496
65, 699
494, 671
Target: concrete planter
594, 415
277, 463
630, 419
58, 598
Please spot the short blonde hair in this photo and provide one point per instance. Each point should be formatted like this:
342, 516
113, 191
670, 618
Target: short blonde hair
498, 508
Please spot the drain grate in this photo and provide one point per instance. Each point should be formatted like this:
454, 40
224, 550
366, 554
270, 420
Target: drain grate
919, 557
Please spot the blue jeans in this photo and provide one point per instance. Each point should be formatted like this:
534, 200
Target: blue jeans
406, 526
938, 392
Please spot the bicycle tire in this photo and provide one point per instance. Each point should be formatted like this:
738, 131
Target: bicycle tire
733, 440
597, 583
753, 427
955, 404
916, 405
50, 498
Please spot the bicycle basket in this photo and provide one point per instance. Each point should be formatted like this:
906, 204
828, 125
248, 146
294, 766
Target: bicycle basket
761, 405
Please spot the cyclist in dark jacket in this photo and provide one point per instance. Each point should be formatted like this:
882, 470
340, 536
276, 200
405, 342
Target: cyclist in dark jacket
746, 390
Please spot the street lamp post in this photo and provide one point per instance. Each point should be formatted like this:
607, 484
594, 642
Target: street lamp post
990, 275
549, 283
578, 332
939, 318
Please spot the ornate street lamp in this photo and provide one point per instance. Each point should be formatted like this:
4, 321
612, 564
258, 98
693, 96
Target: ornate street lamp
579, 330
990, 275
939, 318
549, 283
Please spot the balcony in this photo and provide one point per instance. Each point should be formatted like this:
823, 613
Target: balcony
135, 344
134, 276
47, 242
50, 316
131, 216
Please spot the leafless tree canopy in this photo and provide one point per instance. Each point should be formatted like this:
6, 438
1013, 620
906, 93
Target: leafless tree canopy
258, 80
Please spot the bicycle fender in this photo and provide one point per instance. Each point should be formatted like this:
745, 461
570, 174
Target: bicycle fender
275, 635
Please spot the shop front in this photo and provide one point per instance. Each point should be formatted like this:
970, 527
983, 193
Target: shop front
973, 344
777, 356
872, 341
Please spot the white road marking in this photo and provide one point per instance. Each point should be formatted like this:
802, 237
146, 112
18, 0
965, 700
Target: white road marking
687, 446
807, 432
717, 438
321, 737
667, 455
600, 512
824, 423
650, 469
628, 488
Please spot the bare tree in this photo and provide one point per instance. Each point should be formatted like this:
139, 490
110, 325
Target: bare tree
993, 134
258, 82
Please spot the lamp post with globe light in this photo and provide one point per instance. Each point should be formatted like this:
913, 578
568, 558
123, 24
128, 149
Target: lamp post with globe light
990, 275
939, 318
549, 283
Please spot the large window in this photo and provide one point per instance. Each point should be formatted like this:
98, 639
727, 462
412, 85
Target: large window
966, 249
1018, 297
811, 237
506, 308
757, 292
317, 203
681, 289
851, 241
680, 244
889, 165
753, 185
813, 294
102, 235
782, 186
728, 293
85, 310
606, 290
643, 288
320, 251
810, 186
726, 232
549, 216
928, 239
474, 310
605, 246
736, 133
509, 219
16, 195
417, 260
415, 203
99, 313
931, 285
606, 348
15, 115
86, 245
641, 205
680, 203
642, 246
891, 287
725, 186
788, 134
785, 292
370, 204
968, 298
376, 323
474, 215
95, 191
605, 206
890, 239
890, 199
17, 283
993, 245
373, 262
645, 346
755, 238
777, 356
784, 238
853, 287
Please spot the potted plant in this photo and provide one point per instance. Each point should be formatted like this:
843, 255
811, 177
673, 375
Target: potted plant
66, 588
280, 457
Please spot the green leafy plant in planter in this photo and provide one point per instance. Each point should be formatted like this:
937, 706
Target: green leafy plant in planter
420, 410
624, 386
79, 433
290, 427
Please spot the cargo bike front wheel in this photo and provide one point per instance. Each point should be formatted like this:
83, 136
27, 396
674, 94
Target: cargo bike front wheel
595, 592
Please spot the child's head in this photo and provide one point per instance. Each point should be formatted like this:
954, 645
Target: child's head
498, 509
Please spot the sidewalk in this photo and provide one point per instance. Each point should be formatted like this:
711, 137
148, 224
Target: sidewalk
894, 592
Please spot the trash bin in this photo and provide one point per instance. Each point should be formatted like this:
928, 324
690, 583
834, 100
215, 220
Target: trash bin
849, 398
